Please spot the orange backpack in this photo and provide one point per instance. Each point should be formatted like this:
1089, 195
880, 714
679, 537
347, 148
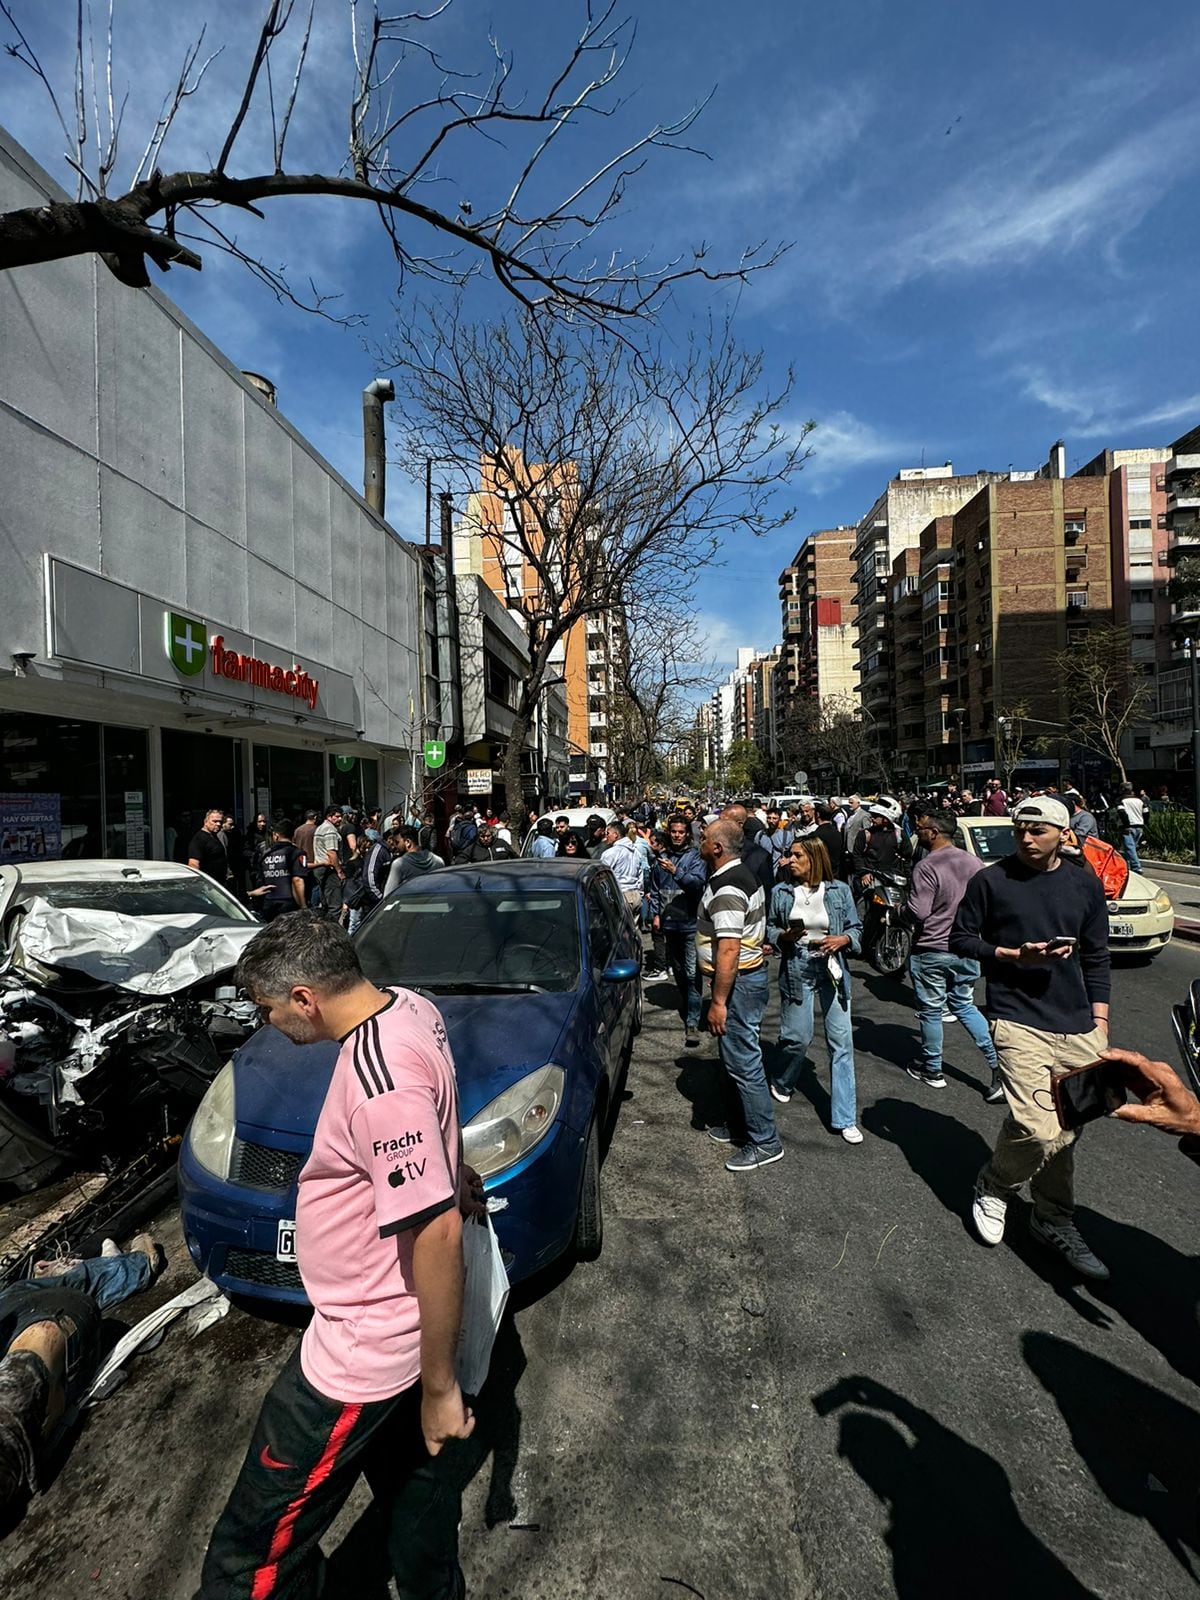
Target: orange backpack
1109, 866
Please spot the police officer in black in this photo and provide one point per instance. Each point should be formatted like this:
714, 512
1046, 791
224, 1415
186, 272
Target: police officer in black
281, 867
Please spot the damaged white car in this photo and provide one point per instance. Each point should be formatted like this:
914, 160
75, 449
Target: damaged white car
117, 1008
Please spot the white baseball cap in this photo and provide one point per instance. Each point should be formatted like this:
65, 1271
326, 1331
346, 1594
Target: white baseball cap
1043, 808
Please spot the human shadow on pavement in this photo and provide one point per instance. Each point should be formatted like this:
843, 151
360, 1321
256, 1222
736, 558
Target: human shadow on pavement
975, 1542
702, 1082
1154, 1288
943, 1152
359, 1568
1141, 1446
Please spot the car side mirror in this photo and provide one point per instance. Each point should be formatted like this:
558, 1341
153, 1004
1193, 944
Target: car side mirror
620, 971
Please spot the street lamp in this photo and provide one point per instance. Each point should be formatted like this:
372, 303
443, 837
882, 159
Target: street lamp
959, 712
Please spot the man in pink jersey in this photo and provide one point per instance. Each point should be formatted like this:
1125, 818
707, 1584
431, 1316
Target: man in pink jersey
371, 1387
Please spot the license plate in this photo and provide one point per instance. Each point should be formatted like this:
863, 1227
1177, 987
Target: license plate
285, 1242
1121, 930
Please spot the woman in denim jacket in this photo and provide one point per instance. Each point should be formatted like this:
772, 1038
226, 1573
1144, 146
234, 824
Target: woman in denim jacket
814, 907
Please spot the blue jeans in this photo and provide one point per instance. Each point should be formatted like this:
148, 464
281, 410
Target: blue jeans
108, 1279
681, 958
802, 981
1129, 846
741, 1055
941, 980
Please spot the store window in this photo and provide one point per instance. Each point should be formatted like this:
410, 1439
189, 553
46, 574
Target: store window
354, 781
287, 782
72, 789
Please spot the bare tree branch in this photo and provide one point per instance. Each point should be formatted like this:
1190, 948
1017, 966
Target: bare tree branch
596, 481
408, 109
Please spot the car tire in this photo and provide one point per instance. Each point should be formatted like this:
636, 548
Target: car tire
589, 1218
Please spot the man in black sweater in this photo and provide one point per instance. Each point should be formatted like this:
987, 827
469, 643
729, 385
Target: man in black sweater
1037, 923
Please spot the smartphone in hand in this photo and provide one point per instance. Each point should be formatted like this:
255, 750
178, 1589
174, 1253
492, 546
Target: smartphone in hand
1089, 1092
1061, 941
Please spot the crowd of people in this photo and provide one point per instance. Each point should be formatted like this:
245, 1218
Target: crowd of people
373, 1386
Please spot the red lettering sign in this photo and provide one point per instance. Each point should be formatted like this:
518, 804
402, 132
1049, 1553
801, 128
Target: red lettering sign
238, 668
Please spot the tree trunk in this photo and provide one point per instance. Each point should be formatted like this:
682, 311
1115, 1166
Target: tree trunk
514, 786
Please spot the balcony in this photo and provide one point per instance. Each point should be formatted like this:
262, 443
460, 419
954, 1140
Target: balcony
1185, 498
597, 658
597, 748
597, 719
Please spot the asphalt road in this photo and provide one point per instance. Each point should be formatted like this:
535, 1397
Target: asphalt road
806, 1382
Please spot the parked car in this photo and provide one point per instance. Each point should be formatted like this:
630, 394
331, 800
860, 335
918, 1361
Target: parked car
116, 1008
1140, 922
577, 816
535, 968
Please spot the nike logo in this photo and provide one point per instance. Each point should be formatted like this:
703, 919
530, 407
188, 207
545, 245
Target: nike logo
268, 1460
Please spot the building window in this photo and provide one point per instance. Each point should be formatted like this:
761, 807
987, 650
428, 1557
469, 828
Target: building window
1076, 599
1139, 522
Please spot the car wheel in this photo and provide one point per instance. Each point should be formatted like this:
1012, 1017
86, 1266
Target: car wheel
589, 1219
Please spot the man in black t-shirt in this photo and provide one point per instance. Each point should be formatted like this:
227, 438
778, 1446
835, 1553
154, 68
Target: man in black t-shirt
282, 868
207, 853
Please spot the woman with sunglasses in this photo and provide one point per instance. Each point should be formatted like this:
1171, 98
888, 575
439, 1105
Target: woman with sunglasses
813, 923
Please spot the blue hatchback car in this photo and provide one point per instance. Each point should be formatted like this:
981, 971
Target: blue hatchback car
535, 966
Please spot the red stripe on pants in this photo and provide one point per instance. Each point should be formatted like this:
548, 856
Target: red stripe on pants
265, 1576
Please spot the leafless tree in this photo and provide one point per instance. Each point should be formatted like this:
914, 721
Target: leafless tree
834, 735
1106, 694
660, 665
1010, 740
603, 472
412, 118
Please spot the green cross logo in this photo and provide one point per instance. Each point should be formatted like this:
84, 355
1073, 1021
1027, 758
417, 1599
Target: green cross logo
435, 753
187, 644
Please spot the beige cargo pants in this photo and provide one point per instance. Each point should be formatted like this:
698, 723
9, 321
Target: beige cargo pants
1031, 1146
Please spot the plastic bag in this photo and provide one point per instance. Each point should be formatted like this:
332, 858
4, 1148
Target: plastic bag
485, 1294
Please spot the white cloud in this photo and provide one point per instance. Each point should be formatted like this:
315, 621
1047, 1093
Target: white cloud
842, 442
1103, 407
1032, 200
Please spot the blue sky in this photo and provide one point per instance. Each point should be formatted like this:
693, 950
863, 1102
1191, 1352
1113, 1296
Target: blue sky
994, 214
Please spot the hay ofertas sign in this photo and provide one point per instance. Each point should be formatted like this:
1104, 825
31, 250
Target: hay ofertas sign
188, 646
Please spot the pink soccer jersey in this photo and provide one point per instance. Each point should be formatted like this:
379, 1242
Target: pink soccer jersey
385, 1158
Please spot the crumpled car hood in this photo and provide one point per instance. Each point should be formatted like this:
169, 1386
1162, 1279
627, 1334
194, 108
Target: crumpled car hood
151, 955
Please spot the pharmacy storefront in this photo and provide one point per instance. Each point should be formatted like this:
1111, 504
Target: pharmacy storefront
143, 715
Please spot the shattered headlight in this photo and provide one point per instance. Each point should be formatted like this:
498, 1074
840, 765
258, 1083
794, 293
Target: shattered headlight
509, 1126
211, 1132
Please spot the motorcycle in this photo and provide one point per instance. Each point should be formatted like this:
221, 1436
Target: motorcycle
887, 933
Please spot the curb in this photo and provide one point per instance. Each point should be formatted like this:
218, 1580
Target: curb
1183, 869
1188, 931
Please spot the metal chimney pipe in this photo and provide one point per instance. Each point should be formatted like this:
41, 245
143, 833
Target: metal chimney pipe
374, 455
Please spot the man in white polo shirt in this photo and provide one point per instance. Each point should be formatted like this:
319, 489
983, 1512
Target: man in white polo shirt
379, 1242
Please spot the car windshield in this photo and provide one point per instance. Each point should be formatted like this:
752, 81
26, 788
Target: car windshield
138, 897
492, 939
994, 841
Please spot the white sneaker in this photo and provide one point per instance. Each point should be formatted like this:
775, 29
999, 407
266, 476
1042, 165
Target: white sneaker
1065, 1238
852, 1134
988, 1212
948, 1015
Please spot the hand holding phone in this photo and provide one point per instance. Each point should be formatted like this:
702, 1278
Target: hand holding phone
1062, 942
1089, 1092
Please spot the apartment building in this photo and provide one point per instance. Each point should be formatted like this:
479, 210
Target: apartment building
1032, 573
900, 702
817, 616
912, 499
487, 543
1170, 735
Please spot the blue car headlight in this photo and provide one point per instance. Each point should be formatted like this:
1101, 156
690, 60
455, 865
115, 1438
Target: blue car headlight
509, 1126
210, 1136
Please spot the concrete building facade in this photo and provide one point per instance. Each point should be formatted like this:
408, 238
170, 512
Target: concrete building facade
199, 611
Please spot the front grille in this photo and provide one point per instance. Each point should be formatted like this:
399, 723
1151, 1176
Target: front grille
253, 1266
260, 1167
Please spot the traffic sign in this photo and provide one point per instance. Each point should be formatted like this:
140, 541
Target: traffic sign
435, 753
800, 779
